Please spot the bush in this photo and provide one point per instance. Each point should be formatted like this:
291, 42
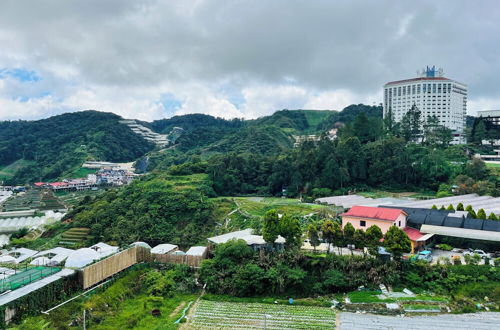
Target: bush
444, 247
460, 207
496, 261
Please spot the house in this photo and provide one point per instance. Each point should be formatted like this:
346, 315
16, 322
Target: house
256, 242
362, 217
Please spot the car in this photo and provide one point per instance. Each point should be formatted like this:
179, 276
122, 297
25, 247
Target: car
425, 255
495, 254
481, 253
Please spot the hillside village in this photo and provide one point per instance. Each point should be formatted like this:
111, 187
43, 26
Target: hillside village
49, 240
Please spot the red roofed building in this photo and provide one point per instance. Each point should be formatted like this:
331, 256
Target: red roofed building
362, 217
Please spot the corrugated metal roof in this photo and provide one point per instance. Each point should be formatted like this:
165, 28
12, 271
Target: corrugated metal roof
461, 232
379, 213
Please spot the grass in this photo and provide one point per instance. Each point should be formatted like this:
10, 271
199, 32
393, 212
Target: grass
321, 302
123, 304
493, 165
371, 297
420, 306
135, 313
258, 206
235, 213
81, 172
10, 170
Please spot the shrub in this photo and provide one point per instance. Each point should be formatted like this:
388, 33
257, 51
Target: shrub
460, 207
496, 261
434, 207
442, 208
492, 216
456, 260
450, 208
444, 247
481, 214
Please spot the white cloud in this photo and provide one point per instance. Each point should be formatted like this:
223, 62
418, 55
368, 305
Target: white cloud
121, 56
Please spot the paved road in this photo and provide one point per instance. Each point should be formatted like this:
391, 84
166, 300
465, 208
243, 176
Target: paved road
476, 321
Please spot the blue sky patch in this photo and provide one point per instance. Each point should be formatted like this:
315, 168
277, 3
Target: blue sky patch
170, 103
21, 74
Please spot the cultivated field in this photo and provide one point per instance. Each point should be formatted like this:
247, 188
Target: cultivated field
227, 315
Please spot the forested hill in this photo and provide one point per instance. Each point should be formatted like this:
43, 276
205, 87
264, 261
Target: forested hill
55, 147
49, 148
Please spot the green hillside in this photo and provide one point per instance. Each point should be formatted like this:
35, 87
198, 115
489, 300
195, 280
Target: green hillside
46, 149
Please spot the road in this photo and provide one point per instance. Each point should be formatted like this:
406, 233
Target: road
476, 321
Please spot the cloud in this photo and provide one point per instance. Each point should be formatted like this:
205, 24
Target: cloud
235, 58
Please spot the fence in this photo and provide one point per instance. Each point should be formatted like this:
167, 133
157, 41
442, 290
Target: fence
26, 277
108, 267
190, 260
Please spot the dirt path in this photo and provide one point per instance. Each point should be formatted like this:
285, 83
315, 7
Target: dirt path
177, 309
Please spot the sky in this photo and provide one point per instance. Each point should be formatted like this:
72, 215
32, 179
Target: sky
152, 59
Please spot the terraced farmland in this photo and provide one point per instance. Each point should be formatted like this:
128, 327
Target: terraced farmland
74, 236
229, 315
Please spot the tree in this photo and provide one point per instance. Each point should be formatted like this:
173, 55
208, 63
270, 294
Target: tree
397, 242
471, 211
373, 237
442, 208
349, 233
476, 169
450, 208
411, 124
359, 239
479, 132
481, 214
434, 207
271, 226
492, 216
313, 235
328, 232
389, 121
460, 207
291, 231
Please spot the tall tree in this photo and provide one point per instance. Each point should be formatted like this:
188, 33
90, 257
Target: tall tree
373, 237
327, 232
291, 231
313, 235
397, 242
271, 227
349, 233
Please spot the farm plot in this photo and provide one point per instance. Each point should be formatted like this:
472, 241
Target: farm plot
226, 315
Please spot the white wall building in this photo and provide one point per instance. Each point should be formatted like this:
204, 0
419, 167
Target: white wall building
434, 95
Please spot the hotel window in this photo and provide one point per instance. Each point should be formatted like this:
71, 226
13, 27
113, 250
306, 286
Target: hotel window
413, 89
362, 223
434, 88
418, 89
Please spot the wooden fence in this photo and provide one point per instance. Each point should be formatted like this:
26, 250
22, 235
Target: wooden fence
192, 261
108, 267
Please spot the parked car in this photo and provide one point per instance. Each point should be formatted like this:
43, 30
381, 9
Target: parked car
495, 254
481, 253
425, 255
422, 255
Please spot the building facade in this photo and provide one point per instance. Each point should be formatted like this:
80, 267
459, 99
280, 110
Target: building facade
434, 95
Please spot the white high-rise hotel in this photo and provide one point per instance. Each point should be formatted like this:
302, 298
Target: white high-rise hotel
433, 95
